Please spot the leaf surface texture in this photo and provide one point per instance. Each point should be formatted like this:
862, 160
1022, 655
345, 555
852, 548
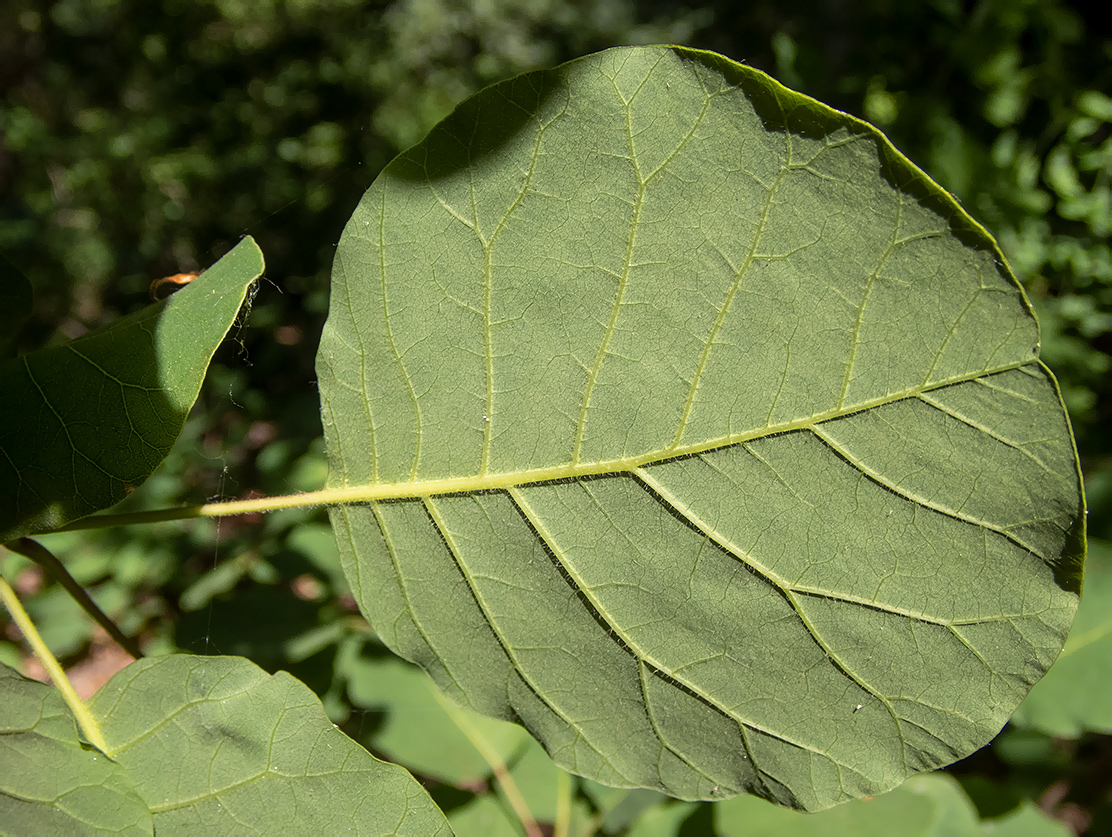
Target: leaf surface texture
702, 434
215, 745
50, 781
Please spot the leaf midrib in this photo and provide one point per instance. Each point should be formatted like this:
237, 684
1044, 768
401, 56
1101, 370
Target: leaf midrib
576, 470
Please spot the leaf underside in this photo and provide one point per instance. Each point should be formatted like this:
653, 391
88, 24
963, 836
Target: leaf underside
710, 437
50, 782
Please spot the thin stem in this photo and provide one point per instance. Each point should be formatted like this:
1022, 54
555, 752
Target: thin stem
234, 507
84, 718
498, 767
45, 559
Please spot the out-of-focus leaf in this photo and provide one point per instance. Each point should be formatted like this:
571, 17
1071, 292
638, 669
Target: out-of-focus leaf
536, 778
1075, 696
1027, 820
484, 816
417, 732
663, 820
716, 445
619, 807
215, 743
923, 806
85, 423
50, 783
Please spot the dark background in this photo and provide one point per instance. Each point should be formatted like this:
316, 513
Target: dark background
141, 138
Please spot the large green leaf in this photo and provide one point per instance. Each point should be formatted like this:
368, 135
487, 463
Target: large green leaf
197, 745
215, 744
50, 783
699, 432
83, 424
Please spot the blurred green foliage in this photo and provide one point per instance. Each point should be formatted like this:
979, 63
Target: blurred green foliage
140, 138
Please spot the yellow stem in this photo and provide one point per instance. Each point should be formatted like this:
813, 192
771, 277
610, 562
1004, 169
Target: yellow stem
84, 718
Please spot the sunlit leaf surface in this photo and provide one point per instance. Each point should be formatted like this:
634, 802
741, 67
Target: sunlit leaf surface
50, 782
701, 434
215, 745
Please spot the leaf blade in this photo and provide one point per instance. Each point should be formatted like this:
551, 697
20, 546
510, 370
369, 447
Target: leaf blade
703, 393
214, 742
51, 782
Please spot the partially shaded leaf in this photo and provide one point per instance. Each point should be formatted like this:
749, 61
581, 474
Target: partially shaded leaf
51, 783
214, 743
85, 423
699, 432
483, 816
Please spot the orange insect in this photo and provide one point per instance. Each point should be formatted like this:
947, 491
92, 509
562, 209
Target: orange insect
159, 289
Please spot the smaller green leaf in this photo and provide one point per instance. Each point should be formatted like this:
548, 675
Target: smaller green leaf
923, 806
84, 423
536, 778
50, 783
1073, 696
214, 743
